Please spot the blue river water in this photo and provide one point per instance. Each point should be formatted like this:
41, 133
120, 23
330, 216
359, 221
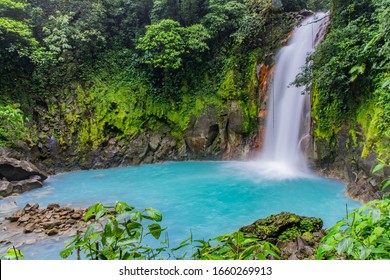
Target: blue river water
205, 198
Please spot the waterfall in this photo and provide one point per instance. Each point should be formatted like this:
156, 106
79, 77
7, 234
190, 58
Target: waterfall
288, 118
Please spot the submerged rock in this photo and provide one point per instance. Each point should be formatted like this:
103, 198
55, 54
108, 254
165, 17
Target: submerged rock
8, 206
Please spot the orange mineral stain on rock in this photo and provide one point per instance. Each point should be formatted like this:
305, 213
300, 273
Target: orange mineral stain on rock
265, 73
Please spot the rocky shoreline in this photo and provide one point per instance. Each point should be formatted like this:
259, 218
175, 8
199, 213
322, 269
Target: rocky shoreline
344, 161
363, 188
19, 176
32, 223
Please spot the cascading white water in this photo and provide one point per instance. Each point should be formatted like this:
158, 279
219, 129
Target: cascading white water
288, 116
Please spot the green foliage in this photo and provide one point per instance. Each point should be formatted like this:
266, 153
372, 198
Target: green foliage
18, 47
117, 232
186, 12
120, 232
318, 5
364, 234
223, 16
236, 246
350, 71
293, 5
11, 125
381, 166
89, 68
12, 254
15, 31
124, 21
166, 42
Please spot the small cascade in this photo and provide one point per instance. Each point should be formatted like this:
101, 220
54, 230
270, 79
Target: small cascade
288, 118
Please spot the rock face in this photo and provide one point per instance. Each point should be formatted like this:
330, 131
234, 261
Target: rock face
344, 161
201, 134
226, 132
19, 176
220, 135
297, 237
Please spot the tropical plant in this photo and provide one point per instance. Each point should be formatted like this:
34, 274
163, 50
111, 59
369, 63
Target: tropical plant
236, 246
364, 234
117, 232
165, 43
354, 58
11, 125
12, 254
380, 166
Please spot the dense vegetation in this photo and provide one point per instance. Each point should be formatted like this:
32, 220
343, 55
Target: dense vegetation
363, 234
124, 67
88, 70
350, 76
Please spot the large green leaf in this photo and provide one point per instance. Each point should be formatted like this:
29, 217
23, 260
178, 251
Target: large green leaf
66, 253
378, 167
155, 230
126, 241
100, 213
13, 254
89, 212
345, 245
153, 214
123, 216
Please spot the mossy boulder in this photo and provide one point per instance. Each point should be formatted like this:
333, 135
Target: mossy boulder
283, 227
296, 236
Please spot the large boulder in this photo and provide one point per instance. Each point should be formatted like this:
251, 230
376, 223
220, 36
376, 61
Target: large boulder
297, 237
283, 227
202, 132
26, 185
17, 170
6, 188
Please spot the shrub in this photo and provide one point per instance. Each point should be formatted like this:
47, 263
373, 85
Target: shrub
363, 235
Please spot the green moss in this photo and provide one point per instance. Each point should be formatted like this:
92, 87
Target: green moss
307, 225
253, 82
229, 89
352, 133
324, 128
375, 124
289, 234
249, 116
309, 237
262, 229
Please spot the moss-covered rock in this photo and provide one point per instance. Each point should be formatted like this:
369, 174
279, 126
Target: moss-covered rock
341, 158
296, 236
284, 227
